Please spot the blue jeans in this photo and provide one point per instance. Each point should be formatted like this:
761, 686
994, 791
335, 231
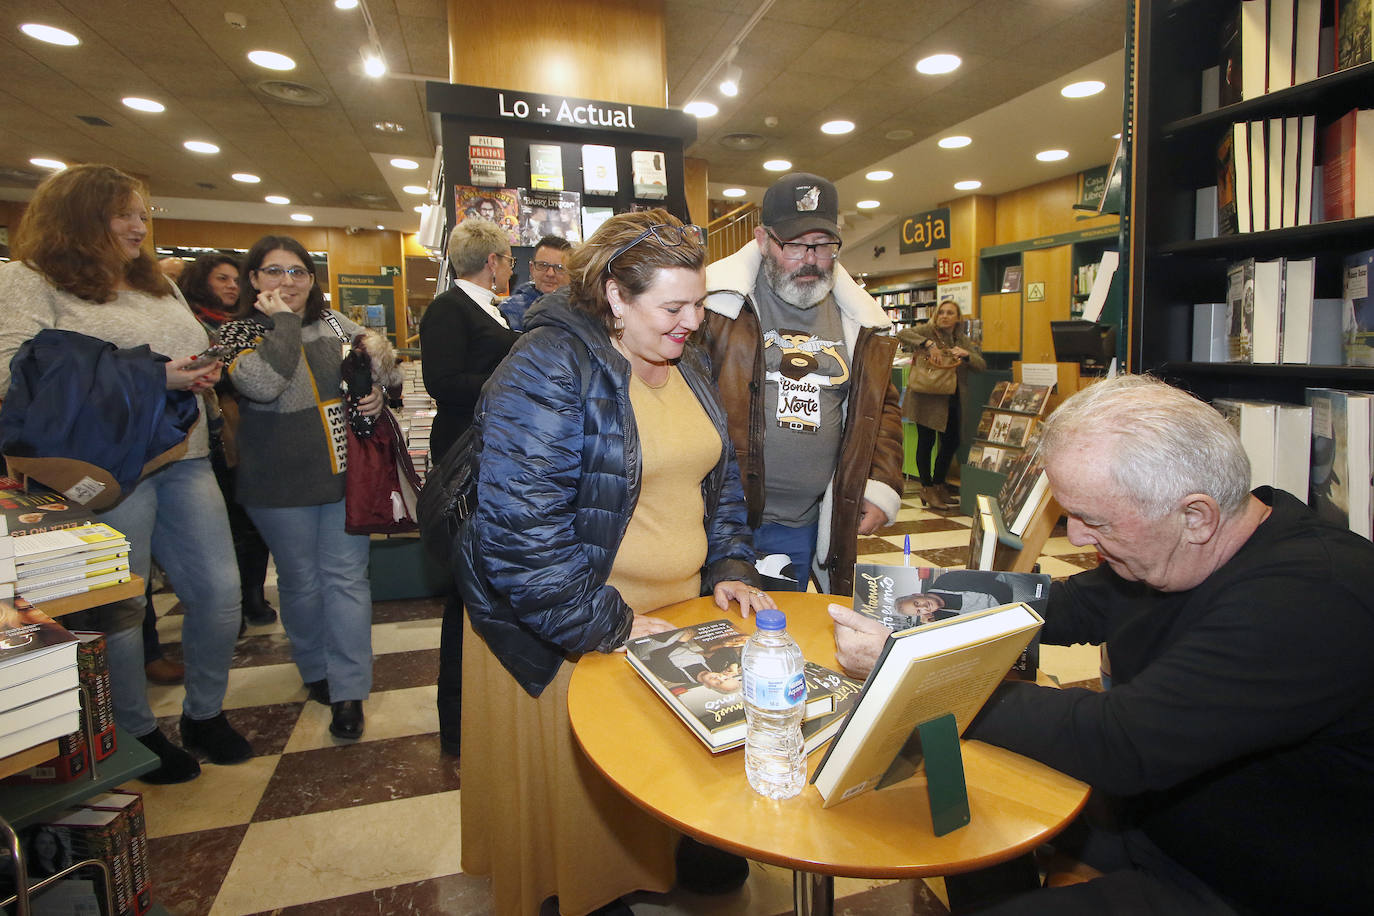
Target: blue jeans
176, 515
772, 539
325, 598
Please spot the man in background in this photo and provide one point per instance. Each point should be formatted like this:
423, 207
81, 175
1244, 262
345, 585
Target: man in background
803, 361
1234, 753
547, 274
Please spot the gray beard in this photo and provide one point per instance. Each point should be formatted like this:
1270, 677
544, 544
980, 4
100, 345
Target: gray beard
798, 295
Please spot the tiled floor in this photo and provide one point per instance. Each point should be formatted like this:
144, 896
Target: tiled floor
314, 826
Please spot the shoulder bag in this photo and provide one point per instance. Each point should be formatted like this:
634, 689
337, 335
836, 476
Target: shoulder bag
933, 372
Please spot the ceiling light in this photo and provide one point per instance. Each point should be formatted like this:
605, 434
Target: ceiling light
955, 142
1052, 155
421, 208
201, 146
777, 165
271, 60
878, 175
729, 81
389, 127
1082, 89
701, 109
347, 5
734, 192
405, 163
837, 127
415, 189
303, 217
51, 34
1117, 135
277, 199
245, 177
938, 63
56, 165
380, 226
867, 204
138, 104
373, 63
970, 185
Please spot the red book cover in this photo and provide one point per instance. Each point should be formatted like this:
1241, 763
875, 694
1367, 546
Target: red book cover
94, 669
129, 805
1338, 168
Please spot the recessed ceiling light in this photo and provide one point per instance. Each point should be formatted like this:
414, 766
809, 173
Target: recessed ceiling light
56, 165
277, 199
245, 177
970, 185
957, 141
271, 60
837, 127
1082, 89
415, 189
380, 226
777, 165
734, 192
878, 175
139, 104
1052, 155
701, 109
51, 34
938, 63
405, 164
867, 204
303, 217
201, 146
389, 127
421, 208
347, 5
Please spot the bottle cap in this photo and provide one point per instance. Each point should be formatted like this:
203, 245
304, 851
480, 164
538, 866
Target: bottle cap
771, 619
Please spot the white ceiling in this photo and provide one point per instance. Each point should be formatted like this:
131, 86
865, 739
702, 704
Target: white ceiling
804, 62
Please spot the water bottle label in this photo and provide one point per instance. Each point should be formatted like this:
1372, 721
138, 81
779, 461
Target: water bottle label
774, 693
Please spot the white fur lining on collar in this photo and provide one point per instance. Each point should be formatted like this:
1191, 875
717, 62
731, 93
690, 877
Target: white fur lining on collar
739, 271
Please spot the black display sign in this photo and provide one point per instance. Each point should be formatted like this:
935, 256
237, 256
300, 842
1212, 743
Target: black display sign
558, 111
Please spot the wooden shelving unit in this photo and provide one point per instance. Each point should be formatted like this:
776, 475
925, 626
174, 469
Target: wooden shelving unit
1175, 154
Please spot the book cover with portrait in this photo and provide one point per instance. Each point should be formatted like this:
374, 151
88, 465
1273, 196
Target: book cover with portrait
496, 205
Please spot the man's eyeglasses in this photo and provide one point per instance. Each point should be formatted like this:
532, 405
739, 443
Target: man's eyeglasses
795, 251
668, 236
542, 266
278, 273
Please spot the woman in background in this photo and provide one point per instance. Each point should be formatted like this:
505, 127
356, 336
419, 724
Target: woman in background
80, 266
463, 337
292, 461
608, 489
937, 416
211, 286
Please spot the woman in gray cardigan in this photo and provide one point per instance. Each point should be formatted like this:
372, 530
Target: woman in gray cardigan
937, 416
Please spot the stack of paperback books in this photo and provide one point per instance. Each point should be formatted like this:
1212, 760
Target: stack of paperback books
39, 685
51, 548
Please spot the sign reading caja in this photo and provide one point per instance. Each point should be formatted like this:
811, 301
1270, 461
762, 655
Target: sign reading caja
925, 231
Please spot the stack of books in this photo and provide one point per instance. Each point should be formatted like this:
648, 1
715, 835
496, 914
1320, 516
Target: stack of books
50, 547
416, 416
39, 684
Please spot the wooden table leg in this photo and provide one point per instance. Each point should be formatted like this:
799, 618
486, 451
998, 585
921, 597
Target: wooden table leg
812, 894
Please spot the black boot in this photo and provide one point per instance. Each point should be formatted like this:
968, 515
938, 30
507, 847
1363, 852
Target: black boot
256, 611
348, 720
216, 739
174, 764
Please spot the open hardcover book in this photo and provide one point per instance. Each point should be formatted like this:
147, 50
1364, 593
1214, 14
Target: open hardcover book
948, 667
696, 671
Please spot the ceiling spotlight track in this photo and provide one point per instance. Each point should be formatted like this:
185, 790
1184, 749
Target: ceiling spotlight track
374, 61
728, 55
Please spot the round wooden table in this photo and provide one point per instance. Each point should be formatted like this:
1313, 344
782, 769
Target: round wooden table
647, 753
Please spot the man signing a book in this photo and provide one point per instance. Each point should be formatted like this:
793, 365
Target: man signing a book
1235, 749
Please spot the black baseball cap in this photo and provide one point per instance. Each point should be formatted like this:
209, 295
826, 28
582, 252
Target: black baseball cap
800, 203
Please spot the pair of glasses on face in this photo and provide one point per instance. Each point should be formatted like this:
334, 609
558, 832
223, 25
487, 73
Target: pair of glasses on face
508, 257
668, 236
795, 251
281, 273
543, 266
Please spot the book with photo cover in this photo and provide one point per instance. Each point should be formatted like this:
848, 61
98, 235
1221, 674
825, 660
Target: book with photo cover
947, 667
998, 393
544, 213
1011, 279
546, 167
1023, 397
650, 177
36, 509
1025, 480
497, 205
487, 161
32, 644
901, 597
817, 730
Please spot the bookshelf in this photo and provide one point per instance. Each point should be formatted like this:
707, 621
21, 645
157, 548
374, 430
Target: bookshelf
907, 304
1175, 154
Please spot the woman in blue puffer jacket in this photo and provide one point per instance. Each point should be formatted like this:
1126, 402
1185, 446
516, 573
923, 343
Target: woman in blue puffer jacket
608, 489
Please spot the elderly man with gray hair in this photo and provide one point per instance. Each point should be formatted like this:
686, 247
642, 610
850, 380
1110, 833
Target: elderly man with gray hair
1235, 750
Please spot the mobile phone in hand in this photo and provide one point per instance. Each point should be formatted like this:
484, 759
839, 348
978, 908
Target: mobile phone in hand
207, 356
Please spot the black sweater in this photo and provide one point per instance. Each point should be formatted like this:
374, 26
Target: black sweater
1240, 725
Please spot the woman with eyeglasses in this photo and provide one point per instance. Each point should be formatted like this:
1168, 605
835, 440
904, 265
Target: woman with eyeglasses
608, 489
80, 265
463, 337
287, 349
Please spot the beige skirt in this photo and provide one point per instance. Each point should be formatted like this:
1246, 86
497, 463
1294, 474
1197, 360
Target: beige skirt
536, 816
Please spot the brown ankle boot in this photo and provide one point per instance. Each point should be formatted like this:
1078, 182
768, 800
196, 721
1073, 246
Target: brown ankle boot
932, 498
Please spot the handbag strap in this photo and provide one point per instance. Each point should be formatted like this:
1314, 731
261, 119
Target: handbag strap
334, 323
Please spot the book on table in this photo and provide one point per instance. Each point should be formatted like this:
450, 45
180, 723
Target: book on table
35, 509
925, 672
696, 671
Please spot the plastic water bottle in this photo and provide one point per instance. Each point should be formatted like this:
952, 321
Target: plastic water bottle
774, 699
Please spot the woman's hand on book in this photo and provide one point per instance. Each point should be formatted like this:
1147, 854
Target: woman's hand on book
858, 640
645, 625
749, 598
